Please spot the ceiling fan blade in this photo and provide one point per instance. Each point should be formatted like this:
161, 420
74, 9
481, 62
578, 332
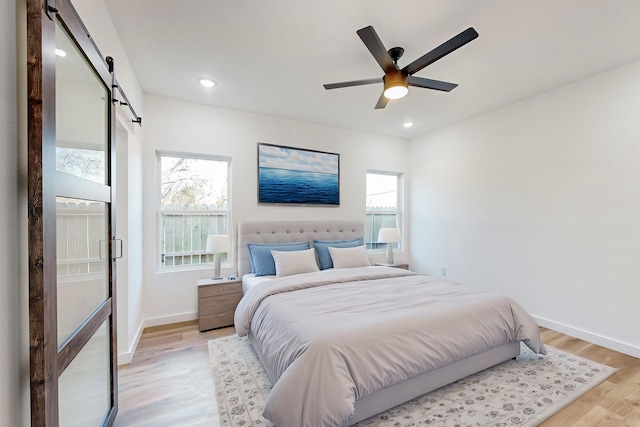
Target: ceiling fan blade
444, 49
372, 42
352, 83
431, 84
382, 102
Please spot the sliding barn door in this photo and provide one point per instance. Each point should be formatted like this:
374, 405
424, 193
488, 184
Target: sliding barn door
71, 221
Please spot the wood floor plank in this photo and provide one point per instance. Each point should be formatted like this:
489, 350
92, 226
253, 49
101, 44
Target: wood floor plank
600, 417
169, 382
606, 404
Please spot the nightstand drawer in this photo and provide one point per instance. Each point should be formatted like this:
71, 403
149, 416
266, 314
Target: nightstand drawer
219, 320
219, 289
219, 303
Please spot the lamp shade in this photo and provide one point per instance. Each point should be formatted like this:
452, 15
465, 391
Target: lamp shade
388, 235
217, 243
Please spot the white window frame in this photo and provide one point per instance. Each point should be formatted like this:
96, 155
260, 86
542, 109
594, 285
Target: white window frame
227, 261
398, 212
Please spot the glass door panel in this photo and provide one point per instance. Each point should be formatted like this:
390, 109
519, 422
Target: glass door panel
82, 103
82, 261
87, 387
85, 397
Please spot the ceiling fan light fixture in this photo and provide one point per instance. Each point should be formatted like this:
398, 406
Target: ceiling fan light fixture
395, 92
395, 86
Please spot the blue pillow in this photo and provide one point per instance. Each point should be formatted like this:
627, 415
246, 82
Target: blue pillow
262, 263
322, 249
274, 246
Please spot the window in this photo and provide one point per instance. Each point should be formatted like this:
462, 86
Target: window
193, 204
86, 163
384, 202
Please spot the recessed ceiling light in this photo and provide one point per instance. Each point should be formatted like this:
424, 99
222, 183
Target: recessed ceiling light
61, 53
407, 124
207, 83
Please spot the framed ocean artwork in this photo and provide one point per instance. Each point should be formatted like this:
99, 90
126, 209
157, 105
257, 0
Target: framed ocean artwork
297, 176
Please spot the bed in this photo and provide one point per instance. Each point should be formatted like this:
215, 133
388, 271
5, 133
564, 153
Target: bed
367, 338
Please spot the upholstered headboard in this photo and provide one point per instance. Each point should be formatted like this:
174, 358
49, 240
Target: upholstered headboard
291, 231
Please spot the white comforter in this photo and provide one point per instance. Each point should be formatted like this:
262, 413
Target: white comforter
338, 335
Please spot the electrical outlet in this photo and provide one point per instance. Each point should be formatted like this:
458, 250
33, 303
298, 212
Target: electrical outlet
443, 272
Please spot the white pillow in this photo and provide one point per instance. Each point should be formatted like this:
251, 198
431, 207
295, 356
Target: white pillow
295, 262
349, 257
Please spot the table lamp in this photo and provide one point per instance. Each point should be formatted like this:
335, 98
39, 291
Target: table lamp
389, 236
217, 244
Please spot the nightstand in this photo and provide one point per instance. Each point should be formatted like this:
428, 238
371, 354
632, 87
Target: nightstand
395, 265
217, 301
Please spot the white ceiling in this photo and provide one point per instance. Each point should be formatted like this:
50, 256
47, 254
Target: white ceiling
272, 56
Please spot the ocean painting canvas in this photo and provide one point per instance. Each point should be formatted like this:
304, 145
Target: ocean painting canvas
297, 176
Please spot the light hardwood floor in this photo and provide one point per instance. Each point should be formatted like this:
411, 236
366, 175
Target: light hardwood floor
168, 382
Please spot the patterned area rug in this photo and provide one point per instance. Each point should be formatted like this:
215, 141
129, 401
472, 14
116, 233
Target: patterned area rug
522, 392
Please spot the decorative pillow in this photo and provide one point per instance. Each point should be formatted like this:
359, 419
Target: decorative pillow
349, 257
295, 262
322, 248
261, 259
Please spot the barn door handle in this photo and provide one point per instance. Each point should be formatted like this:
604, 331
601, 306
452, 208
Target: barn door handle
115, 249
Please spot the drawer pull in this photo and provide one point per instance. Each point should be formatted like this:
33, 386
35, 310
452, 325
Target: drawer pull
223, 297
222, 315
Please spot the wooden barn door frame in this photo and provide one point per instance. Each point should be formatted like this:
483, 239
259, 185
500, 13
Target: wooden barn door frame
48, 357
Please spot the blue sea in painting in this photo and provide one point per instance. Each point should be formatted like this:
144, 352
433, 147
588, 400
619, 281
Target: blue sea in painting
292, 186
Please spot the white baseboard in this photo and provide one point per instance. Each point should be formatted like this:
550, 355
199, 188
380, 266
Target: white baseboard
609, 343
125, 358
166, 320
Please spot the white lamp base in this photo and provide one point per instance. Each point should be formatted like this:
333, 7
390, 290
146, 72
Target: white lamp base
216, 267
389, 253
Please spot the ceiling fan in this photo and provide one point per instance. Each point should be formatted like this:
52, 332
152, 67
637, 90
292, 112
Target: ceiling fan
397, 80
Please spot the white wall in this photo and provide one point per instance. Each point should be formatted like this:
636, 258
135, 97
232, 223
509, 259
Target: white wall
540, 200
172, 125
134, 242
129, 230
11, 356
